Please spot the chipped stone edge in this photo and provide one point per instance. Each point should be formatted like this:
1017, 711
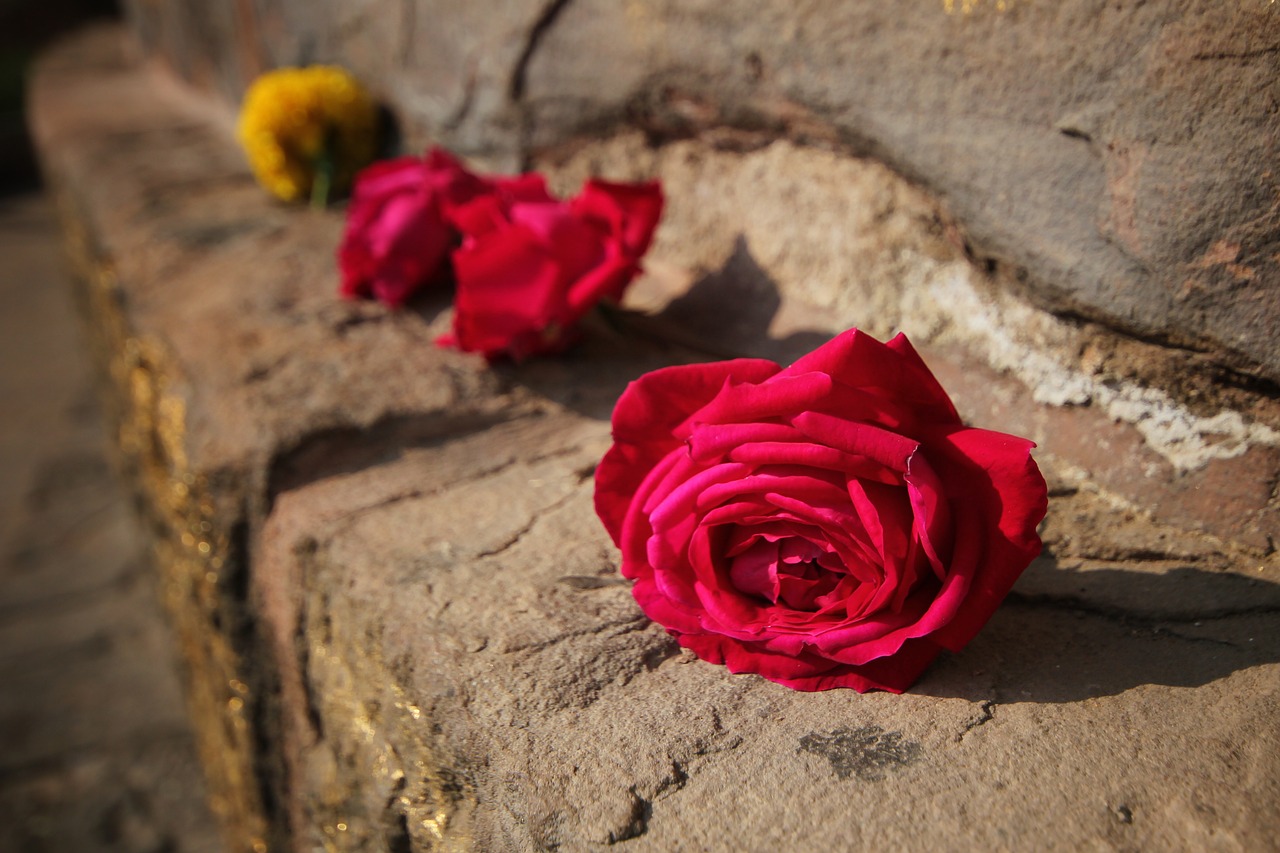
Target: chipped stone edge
984, 323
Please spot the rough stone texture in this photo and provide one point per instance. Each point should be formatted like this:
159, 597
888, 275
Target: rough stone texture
1122, 154
403, 620
97, 751
485, 682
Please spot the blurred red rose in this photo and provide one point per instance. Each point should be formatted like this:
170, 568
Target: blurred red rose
397, 237
833, 524
531, 266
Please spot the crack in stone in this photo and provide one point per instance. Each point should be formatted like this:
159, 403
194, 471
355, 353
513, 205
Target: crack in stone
389, 500
460, 113
519, 78
1158, 631
986, 712
559, 453
537, 516
671, 784
1246, 54
346, 520
637, 823
519, 74
301, 640
1126, 617
628, 626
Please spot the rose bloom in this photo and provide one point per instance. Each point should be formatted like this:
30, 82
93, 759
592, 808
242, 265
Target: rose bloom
831, 524
531, 266
292, 119
397, 238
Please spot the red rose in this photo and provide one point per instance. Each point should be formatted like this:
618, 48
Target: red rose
530, 266
833, 524
397, 237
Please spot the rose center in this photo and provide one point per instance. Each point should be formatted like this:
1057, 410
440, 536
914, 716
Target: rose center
794, 573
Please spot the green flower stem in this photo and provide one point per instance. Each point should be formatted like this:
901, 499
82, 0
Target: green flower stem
322, 184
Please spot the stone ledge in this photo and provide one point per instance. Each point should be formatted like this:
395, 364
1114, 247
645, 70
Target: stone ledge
402, 618
478, 677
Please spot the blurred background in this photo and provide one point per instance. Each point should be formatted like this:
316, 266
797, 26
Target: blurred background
95, 749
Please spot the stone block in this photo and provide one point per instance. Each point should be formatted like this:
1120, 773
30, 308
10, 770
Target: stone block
403, 622
476, 676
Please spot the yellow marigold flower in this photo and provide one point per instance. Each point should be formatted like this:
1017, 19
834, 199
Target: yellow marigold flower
307, 130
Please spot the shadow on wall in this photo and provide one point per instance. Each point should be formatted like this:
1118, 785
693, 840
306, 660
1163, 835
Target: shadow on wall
738, 326
701, 325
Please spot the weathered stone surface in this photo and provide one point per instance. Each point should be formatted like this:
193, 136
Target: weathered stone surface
404, 620
1120, 153
506, 693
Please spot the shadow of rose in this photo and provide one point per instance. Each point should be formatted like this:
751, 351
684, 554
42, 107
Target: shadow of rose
729, 312
430, 302
724, 314
1065, 635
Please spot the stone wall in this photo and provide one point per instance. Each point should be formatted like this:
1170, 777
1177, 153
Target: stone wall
1120, 156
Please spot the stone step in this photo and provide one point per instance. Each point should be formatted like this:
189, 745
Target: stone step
404, 622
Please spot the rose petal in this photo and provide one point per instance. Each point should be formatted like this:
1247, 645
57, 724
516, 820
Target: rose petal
932, 513
631, 211
1005, 498
748, 403
860, 361
712, 442
755, 571
509, 290
664, 610
887, 449
606, 280
669, 509
653, 407
795, 483
886, 516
